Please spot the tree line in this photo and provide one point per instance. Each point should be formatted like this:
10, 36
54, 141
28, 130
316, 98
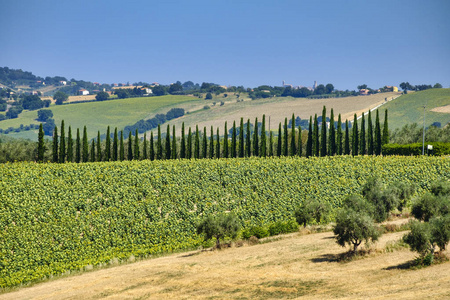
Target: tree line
245, 140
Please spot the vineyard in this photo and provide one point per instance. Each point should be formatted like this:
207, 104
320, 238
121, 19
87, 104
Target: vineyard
60, 217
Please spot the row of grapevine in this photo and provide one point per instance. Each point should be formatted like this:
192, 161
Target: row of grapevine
59, 217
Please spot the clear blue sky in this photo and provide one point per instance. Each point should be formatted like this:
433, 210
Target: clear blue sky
240, 42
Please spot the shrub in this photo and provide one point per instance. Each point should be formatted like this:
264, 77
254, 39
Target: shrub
208, 96
419, 238
283, 227
219, 227
440, 231
312, 210
256, 231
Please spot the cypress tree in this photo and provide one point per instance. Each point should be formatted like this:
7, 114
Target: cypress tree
300, 142
316, 148
197, 143
136, 152
93, 150
233, 140
323, 135
108, 145
241, 138
168, 152
189, 145
378, 140
225, 142
255, 139
174, 144
211, 144
370, 134
85, 146
62, 144
279, 141
292, 148
41, 144
55, 145
78, 147
362, 136
144, 148
309, 142
159, 149
99, 147
70, 146
115, 153
355, 140
270, 144
285, 139
332, 136
385, 138
205, 144
217, 144
339, 136
152, 147
182, 143
263, 148
130, 146
248, 147
121, 148
347, 139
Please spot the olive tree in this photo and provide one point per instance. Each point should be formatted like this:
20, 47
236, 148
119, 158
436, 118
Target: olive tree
219, 226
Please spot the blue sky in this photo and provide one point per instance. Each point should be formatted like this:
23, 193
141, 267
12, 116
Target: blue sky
247, 43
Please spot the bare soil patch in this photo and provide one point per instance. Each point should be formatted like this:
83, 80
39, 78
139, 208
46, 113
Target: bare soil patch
295, 266
442, 109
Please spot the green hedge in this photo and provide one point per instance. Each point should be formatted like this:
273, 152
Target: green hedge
416, 149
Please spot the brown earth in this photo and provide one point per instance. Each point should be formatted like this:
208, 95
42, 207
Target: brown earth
294, 266
442, 109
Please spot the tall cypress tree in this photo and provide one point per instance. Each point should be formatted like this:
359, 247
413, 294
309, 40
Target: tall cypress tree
233, 140
300, 142
152, 147
270, 144
347, 139
362, 136
189, 145
217, 144
99, 147
316, 148
108, 145
378, 140
225, 142
136, 152
78, 147
211, 144
70, 146
323, 135
385, 138
292, 148
204, 144
370, 134
93, 150
332, 136
121, 148
241, 138
144, 148
182, 143
339, 136
197, 143
62, 144
285, 139
279, 141
309, 142
174, 144
263, 148
55, 145
255, 139
168, 152
130, 146
85, 146
248, 144
41, 144
159, 149
355, 139
115, 153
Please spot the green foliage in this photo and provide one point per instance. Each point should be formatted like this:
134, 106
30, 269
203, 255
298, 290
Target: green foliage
312, 210
208, 96
419, 238
440, 231
44, 114
102, 96
218, 227
416, 149
60, 97
383, 201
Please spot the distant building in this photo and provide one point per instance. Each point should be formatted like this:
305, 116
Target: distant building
364, 92
83, 92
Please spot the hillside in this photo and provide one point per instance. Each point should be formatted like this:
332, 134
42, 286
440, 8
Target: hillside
294, 266
409, 108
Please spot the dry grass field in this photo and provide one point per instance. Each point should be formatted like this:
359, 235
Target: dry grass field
280, 109
442, 109
294, 266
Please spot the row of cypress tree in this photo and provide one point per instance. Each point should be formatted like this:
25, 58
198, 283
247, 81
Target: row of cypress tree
243, 142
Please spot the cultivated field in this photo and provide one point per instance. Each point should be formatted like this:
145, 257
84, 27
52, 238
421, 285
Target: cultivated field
295, 266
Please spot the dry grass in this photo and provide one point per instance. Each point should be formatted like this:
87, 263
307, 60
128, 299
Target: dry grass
442, 109
296, 266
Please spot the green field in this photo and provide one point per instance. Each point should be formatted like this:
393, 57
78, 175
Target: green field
409, 108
